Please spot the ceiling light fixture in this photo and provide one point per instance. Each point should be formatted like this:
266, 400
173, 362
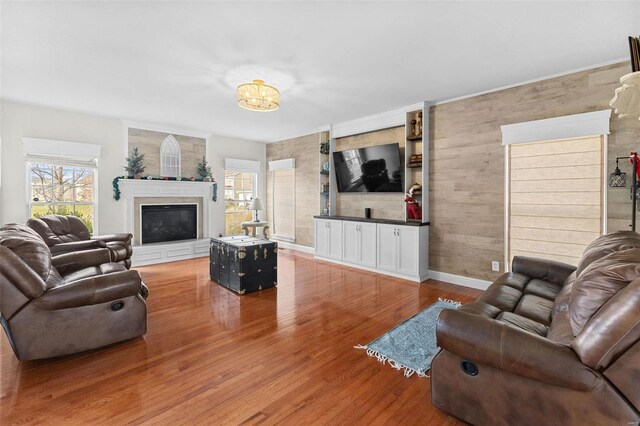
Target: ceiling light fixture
258, 96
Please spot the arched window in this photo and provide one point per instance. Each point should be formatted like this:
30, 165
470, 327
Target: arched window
170, 157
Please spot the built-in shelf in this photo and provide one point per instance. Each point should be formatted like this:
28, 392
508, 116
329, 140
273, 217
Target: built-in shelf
414, 138
326, 145
414, 166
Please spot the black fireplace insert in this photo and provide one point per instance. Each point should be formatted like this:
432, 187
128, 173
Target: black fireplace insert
169, 222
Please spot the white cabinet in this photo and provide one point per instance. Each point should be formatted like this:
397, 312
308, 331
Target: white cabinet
387, 245
396, 249
408, 250
328, 238
359, 243
403, 249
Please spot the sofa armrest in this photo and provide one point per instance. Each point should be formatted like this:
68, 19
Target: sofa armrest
74, 261
75, 246
109, 238
543, 269
491, 342
91, 291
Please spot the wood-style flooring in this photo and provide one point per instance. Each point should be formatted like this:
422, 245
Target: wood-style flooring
280, 356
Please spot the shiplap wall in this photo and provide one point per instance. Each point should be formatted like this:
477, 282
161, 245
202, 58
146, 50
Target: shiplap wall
467, 163
555, 198
382, 205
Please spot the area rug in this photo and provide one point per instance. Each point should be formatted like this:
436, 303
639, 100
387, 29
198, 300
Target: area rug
411, 345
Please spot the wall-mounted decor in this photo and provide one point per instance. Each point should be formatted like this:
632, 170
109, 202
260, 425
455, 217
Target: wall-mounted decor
617, 179
168, 154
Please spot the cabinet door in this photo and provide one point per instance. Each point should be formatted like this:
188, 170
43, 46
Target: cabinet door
368, 244
351, 242
322, 238
387, 243
408, 249
335, 239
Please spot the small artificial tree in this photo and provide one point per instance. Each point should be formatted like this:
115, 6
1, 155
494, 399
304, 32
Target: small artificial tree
134, 163
204, 169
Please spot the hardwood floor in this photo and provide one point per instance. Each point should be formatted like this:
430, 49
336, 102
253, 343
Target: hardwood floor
280, 356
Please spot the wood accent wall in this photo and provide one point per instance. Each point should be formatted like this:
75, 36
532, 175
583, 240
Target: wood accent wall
191, 150
306, 151
383, 206
467, 163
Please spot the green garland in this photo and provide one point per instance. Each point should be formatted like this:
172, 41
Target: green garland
116, 184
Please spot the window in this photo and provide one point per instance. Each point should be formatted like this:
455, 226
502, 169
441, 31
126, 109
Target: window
239, 189
555, 198
170, 157
282, 202
65, 189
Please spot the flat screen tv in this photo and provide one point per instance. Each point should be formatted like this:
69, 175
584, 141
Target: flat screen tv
371, 169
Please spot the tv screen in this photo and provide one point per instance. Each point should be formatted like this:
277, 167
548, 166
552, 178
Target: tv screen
371, 169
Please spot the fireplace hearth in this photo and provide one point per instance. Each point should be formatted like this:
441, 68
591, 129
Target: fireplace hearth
168, 222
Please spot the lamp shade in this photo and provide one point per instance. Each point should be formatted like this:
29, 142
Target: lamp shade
258, 96
255, 204
626, 102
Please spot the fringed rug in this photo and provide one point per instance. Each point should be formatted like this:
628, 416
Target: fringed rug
411, 345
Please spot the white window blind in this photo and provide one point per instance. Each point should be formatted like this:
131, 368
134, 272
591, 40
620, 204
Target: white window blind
284, 197
555, 198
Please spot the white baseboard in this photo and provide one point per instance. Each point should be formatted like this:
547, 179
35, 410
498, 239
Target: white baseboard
292, 246
459, 279
417, 279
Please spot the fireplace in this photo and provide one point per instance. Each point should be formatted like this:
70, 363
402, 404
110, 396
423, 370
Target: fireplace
168, 222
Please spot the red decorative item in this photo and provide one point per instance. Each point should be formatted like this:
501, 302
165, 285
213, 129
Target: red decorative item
413, 208
193, 179
631, 157
166, 178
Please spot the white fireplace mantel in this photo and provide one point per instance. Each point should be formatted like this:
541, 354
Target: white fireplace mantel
130, 189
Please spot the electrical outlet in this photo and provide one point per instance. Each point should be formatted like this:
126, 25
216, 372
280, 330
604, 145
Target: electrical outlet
495, 266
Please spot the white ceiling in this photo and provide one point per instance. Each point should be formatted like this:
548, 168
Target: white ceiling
177, 63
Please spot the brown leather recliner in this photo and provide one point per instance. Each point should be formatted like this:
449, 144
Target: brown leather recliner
51, 306
548, 343
65, 234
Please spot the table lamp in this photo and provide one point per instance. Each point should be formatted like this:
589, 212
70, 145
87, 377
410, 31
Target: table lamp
256, 205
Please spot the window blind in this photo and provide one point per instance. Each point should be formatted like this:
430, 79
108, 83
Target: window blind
62, 161
284, 223
555, 198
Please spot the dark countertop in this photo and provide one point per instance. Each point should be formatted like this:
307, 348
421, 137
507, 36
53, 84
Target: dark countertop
373, 220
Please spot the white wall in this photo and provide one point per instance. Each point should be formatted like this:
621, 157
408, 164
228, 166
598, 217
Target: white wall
221, 147
22, 120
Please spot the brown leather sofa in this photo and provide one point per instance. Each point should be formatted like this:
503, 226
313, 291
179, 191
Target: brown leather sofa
65, 234
51, 306
547, 343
